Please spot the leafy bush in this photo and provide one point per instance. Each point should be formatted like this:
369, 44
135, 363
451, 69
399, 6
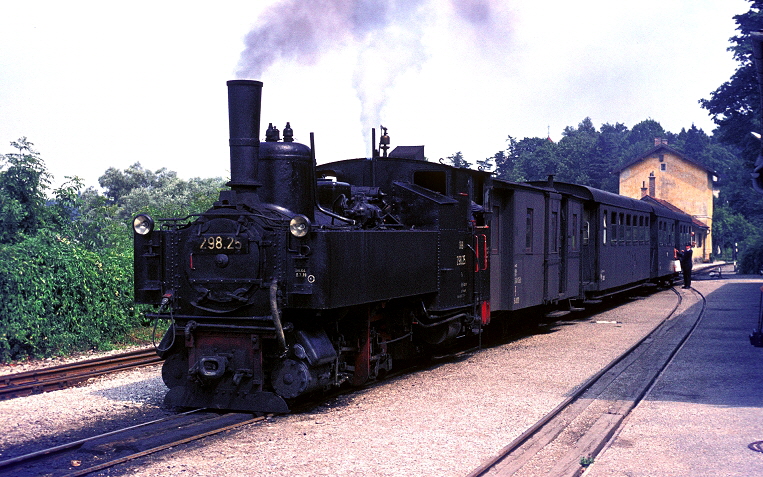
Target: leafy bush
751, 257
59, 297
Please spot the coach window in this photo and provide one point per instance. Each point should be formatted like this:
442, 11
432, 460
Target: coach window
554, 232
660, 227
621, 226
586, 232
613, 223
648, 236
574, 232
604, 228
628, 230
637, 229
495, 226
529, 232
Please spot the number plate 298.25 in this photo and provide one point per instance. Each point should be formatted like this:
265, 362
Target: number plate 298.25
221, 244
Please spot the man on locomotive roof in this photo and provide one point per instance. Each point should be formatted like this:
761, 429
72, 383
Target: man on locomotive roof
686, 263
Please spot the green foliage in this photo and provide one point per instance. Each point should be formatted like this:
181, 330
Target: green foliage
23, 180
751, 257
66, 280
730, 228
120, 183
528, 159
58, 297
583, 155
160, 193
457, 160
735, 107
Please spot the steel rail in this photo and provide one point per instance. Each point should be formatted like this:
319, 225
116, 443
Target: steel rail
79, 442
528, 435
162, 447
67, 375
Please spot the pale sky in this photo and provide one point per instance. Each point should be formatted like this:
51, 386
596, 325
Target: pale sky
101, 84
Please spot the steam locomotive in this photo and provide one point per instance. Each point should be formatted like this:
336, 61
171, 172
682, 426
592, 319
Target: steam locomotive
302, 278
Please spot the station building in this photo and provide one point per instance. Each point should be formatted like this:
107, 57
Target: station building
672, 179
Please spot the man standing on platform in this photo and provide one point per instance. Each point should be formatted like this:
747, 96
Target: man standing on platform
686, 263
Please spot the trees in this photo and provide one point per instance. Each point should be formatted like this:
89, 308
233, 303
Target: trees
57, 294
66, 255
456, 160
23, 181
735, 107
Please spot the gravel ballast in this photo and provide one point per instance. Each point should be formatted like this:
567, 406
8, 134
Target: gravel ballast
442, 421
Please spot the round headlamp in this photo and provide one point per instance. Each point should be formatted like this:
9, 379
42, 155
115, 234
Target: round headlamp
299, 226
143, 224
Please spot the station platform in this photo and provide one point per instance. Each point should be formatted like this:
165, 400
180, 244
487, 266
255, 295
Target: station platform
704, 414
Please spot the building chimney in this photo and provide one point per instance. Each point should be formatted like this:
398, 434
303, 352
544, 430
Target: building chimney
644, 189
660, 141
652, 184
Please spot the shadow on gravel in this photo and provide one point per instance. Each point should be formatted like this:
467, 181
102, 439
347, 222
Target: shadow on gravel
126, 417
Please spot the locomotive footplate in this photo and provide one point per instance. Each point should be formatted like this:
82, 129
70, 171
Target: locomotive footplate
194, 396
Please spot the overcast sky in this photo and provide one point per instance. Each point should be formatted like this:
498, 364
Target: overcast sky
95, 85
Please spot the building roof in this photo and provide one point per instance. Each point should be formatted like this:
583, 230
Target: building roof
665, 148
668, 205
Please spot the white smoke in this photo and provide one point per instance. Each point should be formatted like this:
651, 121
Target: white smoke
387, 35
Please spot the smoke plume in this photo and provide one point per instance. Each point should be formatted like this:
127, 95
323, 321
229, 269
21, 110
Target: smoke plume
386, 33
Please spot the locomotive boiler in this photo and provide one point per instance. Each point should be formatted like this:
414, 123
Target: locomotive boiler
296, 282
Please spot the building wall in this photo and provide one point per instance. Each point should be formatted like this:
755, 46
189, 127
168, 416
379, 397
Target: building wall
688, 187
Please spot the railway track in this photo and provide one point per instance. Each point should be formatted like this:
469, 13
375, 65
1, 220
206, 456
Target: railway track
67, 375
568, 439
99, 452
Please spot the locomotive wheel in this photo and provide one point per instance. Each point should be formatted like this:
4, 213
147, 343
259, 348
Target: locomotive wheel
175, 370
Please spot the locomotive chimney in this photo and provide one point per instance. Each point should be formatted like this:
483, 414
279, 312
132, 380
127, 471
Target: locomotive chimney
244, 99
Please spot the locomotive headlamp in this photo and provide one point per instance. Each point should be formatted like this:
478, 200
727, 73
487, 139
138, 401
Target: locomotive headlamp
142, 224
299, 226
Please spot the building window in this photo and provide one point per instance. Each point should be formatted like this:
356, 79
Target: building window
663, 166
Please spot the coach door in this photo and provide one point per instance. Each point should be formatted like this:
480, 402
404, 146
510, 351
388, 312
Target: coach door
588, 244
552, 264
569, 272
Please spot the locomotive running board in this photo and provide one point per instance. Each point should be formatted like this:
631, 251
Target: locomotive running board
258, 401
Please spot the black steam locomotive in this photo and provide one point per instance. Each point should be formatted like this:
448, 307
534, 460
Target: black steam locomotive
302, 278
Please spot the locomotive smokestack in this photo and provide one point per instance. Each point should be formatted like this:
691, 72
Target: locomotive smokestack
244, 99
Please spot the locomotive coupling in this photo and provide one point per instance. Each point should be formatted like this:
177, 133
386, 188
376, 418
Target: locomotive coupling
210, 369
